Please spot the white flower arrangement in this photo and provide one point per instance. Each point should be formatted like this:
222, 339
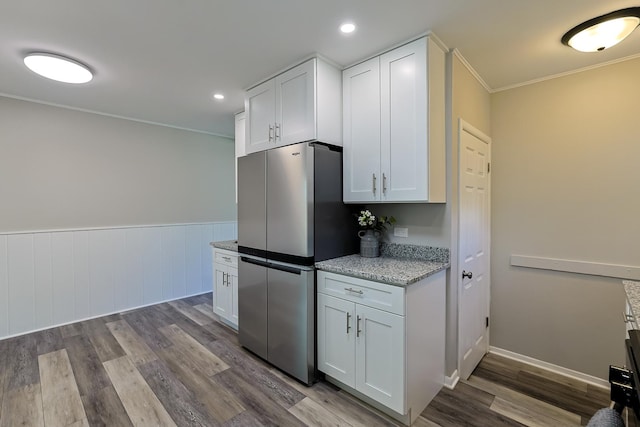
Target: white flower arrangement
368, 221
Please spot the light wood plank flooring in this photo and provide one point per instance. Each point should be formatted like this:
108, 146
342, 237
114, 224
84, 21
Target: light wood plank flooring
174, 364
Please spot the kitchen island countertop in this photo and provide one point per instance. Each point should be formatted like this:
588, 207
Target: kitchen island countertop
398, 265
229, 245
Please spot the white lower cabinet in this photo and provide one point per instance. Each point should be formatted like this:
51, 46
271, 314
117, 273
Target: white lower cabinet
383, 342
225, 286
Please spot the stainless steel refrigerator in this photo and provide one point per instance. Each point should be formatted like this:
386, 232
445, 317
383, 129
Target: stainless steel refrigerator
290, 215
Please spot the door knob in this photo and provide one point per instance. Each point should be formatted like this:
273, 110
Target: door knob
468, 275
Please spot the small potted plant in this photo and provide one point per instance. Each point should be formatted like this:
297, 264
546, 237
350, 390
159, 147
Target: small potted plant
371, 229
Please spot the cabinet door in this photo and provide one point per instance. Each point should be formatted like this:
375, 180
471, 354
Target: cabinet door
240, 125
259, 108
336, 338
221, 303
233, 303
295, 105
361, 132
380, 363
403, 98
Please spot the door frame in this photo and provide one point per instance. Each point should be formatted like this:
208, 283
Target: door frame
464, 126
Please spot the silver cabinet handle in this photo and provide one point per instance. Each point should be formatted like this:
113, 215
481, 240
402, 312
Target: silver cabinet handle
355, 291
278, 131
270, 133
628, 318
226, 258
384, 183
374, 183
348, 318
224, 279
358, 326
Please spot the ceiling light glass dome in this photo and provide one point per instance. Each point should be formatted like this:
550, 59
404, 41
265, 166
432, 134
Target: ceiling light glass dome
59, 68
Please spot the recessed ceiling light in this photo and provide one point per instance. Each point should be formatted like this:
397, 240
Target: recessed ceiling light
604, 31
348, 27
59, 68
218, 96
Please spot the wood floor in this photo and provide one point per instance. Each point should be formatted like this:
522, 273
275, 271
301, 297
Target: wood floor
174, 364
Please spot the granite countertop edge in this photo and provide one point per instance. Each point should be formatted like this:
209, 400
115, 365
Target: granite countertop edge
229, 245
389, 279
632, 289
398, 265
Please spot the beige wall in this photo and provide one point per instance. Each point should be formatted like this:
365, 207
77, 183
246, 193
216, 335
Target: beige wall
471, 102
565, 182
61, 168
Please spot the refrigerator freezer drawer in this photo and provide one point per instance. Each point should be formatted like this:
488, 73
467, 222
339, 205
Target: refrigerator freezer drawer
252, 306
291, 329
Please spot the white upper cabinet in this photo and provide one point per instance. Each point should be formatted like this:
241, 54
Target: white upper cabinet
361, 121
260, 116
295, 105
301, 104
394, 126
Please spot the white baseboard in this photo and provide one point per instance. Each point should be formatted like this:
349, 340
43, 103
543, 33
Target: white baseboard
589, 379
450, 382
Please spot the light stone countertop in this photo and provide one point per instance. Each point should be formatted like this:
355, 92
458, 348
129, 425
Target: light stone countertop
230, 245
632, 290
398, 265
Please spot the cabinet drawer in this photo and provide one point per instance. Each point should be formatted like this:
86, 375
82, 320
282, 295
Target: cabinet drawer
225, 258
373, 294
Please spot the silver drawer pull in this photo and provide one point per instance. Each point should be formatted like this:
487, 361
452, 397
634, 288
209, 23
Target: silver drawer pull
226, 258
628, 318
354, 291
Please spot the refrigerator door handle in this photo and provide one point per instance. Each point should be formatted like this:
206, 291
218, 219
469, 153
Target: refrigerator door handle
255, 262
271, 265
285, 268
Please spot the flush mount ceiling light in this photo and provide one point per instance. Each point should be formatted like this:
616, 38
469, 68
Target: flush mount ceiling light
59, 68
348, 27
604, 31
218, 96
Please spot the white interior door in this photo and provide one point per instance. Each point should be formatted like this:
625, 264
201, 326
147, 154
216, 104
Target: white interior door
473, 256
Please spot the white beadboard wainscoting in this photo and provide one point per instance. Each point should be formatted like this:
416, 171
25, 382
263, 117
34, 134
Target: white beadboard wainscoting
51, 278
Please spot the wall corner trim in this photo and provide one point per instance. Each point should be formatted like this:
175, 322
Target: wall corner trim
451, 381
589, 379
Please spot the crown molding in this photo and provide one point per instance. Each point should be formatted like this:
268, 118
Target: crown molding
473, 72
568, 73
115, 116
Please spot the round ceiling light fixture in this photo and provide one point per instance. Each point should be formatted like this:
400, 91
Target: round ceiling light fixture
348, 27
218, 96
58, 68
604, 31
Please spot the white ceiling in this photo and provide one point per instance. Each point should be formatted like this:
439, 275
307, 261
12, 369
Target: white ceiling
161, 60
